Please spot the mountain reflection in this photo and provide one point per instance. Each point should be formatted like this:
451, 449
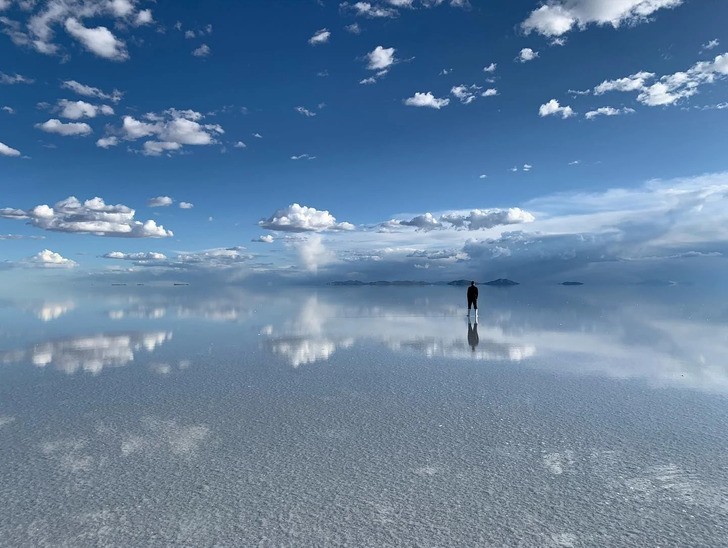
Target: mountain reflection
88, 354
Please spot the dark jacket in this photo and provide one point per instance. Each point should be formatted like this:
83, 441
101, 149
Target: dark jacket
472, 293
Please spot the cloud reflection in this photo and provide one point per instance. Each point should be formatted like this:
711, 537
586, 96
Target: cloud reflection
89, 354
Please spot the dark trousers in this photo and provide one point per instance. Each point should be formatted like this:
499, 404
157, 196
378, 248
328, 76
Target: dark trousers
473, 303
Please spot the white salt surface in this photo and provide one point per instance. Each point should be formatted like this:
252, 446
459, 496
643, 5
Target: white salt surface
328, 419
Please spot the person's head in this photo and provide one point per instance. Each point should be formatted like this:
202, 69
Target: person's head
472, 283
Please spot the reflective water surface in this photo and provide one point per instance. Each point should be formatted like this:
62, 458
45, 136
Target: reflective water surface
371, 416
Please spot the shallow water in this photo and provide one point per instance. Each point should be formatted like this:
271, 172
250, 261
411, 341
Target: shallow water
142, 416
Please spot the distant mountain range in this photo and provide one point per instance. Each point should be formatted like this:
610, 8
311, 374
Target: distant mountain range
501, 282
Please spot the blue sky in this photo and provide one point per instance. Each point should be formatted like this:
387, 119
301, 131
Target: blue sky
419, 140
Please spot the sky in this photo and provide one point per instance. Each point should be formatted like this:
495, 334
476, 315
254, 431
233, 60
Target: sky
392, 139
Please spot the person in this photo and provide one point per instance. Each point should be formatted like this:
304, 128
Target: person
472, 298
473, 339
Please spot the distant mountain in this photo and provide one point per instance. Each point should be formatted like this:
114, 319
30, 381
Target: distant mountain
502, 282
398, 283
572, 283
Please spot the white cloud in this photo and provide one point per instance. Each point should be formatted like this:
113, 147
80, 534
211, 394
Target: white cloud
160, 201
11, 79
553, 108
144, 17
5, 150
9, 110
490, 92
186, 205
380, 58
297, 218
634, 82
490, 68
90, 217
671, 88
257, 135
526, 54
321, 36
305, 112
527, 167
99, 41
240, 144
75, 110
264, 238
203, 51
476, 219
171, 129
465, 94
157, 148
354, 28
140, 256
107, 142
426, 100
303, 157
313, 253
50, 259
366, 9
710, 44
89, 91
483, 176
71, 128
557, 17
607, 111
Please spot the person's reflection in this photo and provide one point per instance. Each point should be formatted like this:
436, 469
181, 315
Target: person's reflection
473, 339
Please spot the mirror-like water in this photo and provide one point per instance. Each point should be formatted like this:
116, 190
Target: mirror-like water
563, 416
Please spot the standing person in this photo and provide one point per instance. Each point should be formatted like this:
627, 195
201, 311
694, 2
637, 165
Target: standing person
473, 298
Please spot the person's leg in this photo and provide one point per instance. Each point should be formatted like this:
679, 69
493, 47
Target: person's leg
475, 304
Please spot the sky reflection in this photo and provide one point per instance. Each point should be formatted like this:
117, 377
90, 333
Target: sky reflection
678, 342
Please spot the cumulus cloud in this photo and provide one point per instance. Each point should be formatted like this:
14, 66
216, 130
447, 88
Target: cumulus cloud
711, 44
553, 108
66, 129
75, 110
426, 99
5, 150
107, 142
490, 68
465, 94
240, 144
160, 201
9, 110
557, 17
186, 205
99, 41
526, 55
490, 92
90, 91
380, 58
93, 216
49, 259
607, 111
203, 51
476, 219
303, 157
320, 37
671, 88
354, 28
298, 218
43, 18
169, 131
265, 238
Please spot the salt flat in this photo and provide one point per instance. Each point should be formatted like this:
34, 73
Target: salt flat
141, 416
